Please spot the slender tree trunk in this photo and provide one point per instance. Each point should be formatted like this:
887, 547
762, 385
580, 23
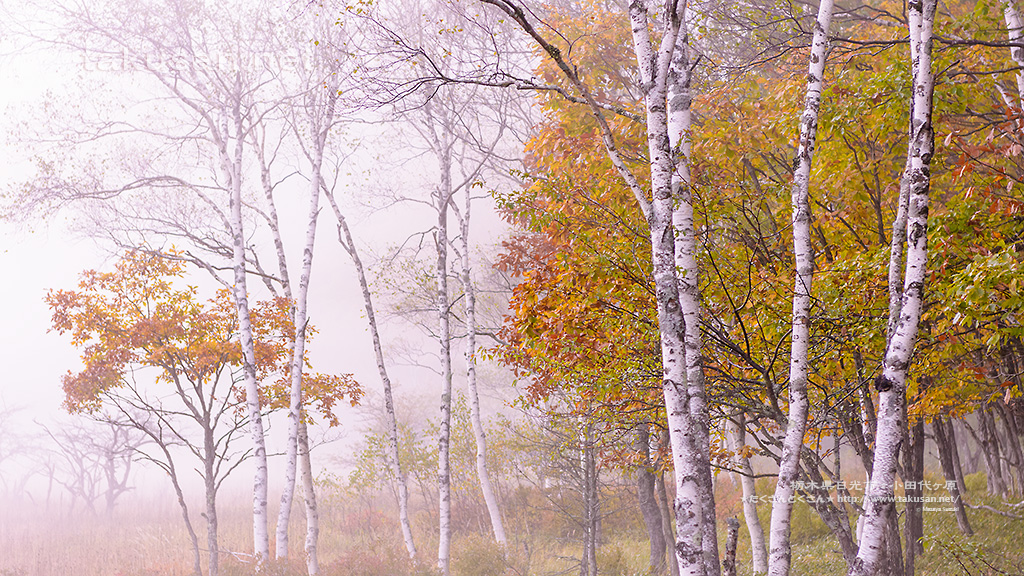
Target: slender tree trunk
391, 421
736, 431
443, 197
731, 539
232, 167
309, 497
469, 291
891, 383
835, 518
212, 546
1013, 446
680, 99
853, 428
666, 522
197, 565
780, 549
914, 493
648, 500
591, 511
955, 452
300, 318
993, 455
944, 448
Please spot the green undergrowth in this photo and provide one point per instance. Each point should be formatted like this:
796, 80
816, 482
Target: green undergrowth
995, 549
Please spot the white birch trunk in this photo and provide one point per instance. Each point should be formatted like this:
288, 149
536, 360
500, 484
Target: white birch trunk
759, 553
391, 421
653, 68
780, 549
443, 196
300, 318
309, 496
899, 236
444, 487
1015, 33
490, 498
891, 383
680, 99
232, 168
683, 431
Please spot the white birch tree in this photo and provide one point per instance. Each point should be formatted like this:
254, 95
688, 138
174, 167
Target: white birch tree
391, 422
891, 382
442, 197
659, 205
736, 431
780, 549
309, 108
469, 296
208, 64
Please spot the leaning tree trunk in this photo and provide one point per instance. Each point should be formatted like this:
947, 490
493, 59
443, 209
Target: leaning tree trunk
990, 445
891, 383
172, 473
1013, 446
958, 468
780, 549
469, 293
391, 421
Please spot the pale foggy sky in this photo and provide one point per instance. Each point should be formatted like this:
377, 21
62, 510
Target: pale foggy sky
43, 255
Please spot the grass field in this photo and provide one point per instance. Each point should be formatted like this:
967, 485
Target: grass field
146, 538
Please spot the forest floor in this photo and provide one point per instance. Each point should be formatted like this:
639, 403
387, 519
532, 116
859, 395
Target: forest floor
147, 539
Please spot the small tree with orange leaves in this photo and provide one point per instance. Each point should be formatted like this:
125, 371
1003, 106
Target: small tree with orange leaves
159, 359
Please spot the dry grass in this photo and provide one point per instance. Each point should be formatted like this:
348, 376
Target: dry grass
147, 538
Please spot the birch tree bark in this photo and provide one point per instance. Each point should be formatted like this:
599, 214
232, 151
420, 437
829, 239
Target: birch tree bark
261, 537
780, 549
441, 146
222, 105
891, 383
444, 485
311, 544
736, 431
684, 433
313, 113
658, 208
680, 99
1015, 33
469, 294
391, 421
